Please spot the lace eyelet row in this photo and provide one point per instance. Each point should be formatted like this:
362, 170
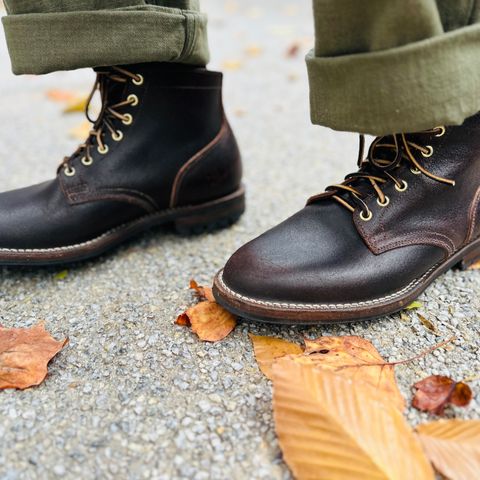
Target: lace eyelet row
116, 136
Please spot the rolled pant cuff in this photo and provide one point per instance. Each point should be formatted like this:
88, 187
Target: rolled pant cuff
45, 42
404, 89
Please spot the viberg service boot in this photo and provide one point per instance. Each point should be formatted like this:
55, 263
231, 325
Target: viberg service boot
161, 151
371, 245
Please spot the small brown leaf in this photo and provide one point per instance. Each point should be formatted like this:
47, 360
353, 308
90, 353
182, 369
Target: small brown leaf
269, 349
24, 355
203, 293
210, 321
436, 392
453, 447
293, 50
183, 320
427, 323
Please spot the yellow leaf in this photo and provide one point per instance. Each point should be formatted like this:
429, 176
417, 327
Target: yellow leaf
269, 349
356, 358
453, 446
76, 105
253, 50
82, 131
210, 321
61, 275
414, 305
232, 65
331, 427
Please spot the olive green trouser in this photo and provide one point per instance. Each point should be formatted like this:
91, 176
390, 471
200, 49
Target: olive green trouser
378, 66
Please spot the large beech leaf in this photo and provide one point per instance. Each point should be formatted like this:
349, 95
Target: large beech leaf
356, 358
331, 427
24, 355
269, 349
453, 446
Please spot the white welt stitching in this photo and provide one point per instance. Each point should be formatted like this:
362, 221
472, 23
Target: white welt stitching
325, 306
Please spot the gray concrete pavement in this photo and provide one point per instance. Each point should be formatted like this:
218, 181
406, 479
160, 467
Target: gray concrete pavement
134, 396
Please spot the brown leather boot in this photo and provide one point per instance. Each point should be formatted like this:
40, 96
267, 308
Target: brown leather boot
371, 245
161, 151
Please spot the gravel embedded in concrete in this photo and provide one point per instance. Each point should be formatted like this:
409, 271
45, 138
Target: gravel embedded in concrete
134, 396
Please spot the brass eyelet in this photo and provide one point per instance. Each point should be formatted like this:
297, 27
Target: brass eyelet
385, 202
139, 80
402, 188
104, 150
430, 151
128, 119
415, 171
87, 161
133, 99
368, 217
117, 136
442, 131
69, 171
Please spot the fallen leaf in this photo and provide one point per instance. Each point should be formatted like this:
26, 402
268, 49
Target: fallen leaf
331, 427
269, 349
475, 266
453, 446
24, 355
253, 50
293, 50
427, 323
355, 358
232, 65
61, 275
210, 321
82, 131
63, 96
404, 317
183, 320
414, 305
436, 392
203, 293
77, 105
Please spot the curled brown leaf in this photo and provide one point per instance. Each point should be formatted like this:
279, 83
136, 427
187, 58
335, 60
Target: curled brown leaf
433, 394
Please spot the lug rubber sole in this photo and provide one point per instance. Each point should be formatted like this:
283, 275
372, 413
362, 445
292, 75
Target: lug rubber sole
276, 312
189, 220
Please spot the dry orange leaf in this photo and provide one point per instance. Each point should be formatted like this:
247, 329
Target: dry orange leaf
475, 266
453, 446
436, 392
210, 321
24, 355
64, 96
331, 427
269, 349
203, 293
356, 358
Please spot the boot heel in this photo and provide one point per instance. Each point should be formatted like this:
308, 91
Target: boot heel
213, 216
470, 259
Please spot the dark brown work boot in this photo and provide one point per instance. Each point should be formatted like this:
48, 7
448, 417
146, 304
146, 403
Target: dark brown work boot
371, 245
161, 151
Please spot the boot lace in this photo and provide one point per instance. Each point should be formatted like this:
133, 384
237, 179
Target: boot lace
379, 171
108, 115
